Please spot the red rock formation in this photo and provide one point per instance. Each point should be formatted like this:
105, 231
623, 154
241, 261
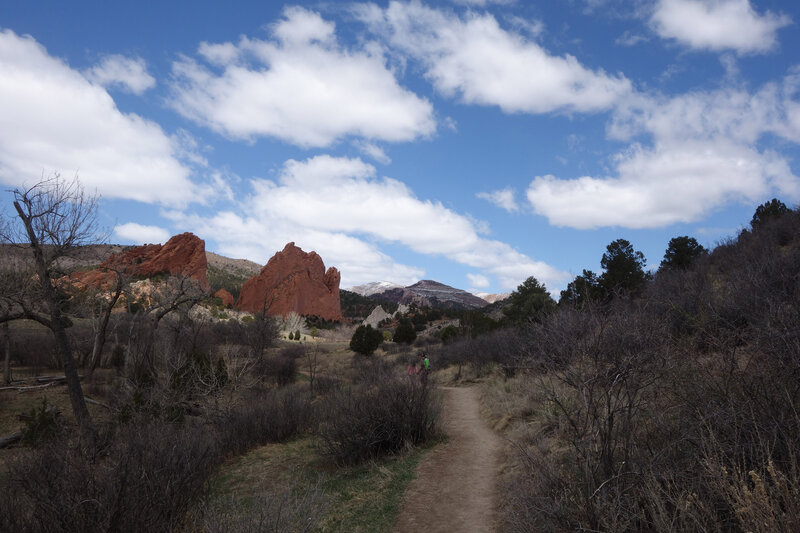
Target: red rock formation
293, 281
225, 296
182, 254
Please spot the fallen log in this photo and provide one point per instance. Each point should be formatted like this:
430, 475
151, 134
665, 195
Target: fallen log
31, 387
95, 402
48, 379
8, 440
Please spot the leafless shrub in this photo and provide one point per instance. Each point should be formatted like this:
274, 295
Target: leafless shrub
143, 480
264, 416
372, 370
368, 421
675, 411
325, 384
293, 352
36, 349
278, 369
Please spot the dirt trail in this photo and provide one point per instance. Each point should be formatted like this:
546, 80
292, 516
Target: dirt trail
456, 484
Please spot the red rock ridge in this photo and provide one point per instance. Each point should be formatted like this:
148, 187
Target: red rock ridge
182, 254
225, 296
293, 281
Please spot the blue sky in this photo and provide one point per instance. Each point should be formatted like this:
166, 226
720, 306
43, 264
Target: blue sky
472, 142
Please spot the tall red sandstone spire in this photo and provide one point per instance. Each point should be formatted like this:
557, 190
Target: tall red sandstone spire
293, 281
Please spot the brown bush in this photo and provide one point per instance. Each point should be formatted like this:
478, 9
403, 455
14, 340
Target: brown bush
143, 480
674, 411
280, 370
264, 416
367, 421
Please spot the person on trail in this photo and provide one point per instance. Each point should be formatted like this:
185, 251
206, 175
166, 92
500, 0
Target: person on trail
413, 370
425, 368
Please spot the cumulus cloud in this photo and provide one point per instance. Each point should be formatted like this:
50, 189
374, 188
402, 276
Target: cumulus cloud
478, 281
140, 234
129, 74
53, 120
718, 25
473, 58
338, 207
300, 86
503, 198
704, 154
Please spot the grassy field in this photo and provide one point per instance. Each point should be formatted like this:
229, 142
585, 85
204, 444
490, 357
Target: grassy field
363, 498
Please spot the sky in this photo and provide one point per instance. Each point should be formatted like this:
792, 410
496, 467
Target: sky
472, 142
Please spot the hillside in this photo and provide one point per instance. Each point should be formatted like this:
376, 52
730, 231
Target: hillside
428, 293
15, 256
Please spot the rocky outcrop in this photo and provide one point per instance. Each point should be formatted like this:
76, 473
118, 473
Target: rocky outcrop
183, 254
293, 281
377, 316
225, 296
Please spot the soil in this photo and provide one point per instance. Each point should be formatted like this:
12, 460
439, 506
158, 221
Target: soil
456, 484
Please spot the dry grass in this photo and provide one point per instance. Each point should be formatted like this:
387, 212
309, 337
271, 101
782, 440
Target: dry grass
358, 499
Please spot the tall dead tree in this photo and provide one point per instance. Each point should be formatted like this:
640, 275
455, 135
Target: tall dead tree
103, 304
6, 354
54, 217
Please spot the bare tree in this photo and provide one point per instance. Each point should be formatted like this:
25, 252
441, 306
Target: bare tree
55, 216
103, 304
6, 354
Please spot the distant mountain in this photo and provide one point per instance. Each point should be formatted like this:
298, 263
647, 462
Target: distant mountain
492, 298
376, 287
431, 293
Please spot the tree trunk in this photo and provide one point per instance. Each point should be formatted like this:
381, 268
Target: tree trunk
100, 334
56, 325
73, 380
7, 353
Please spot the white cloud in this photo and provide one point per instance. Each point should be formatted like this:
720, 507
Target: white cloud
53, 120
661, 186
483, 3
503, 198
338, 207
474, 59
478, 281
302, 87
717, 25
140, 234
373, 151
127, 73
705, 153
630, 38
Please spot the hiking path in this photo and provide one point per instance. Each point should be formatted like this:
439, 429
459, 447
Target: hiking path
455, 488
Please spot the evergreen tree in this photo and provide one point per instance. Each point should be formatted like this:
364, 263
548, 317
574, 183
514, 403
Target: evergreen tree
529, 303
405, 332
584, 288
682, 252
768, 211
624, 268
366, 340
